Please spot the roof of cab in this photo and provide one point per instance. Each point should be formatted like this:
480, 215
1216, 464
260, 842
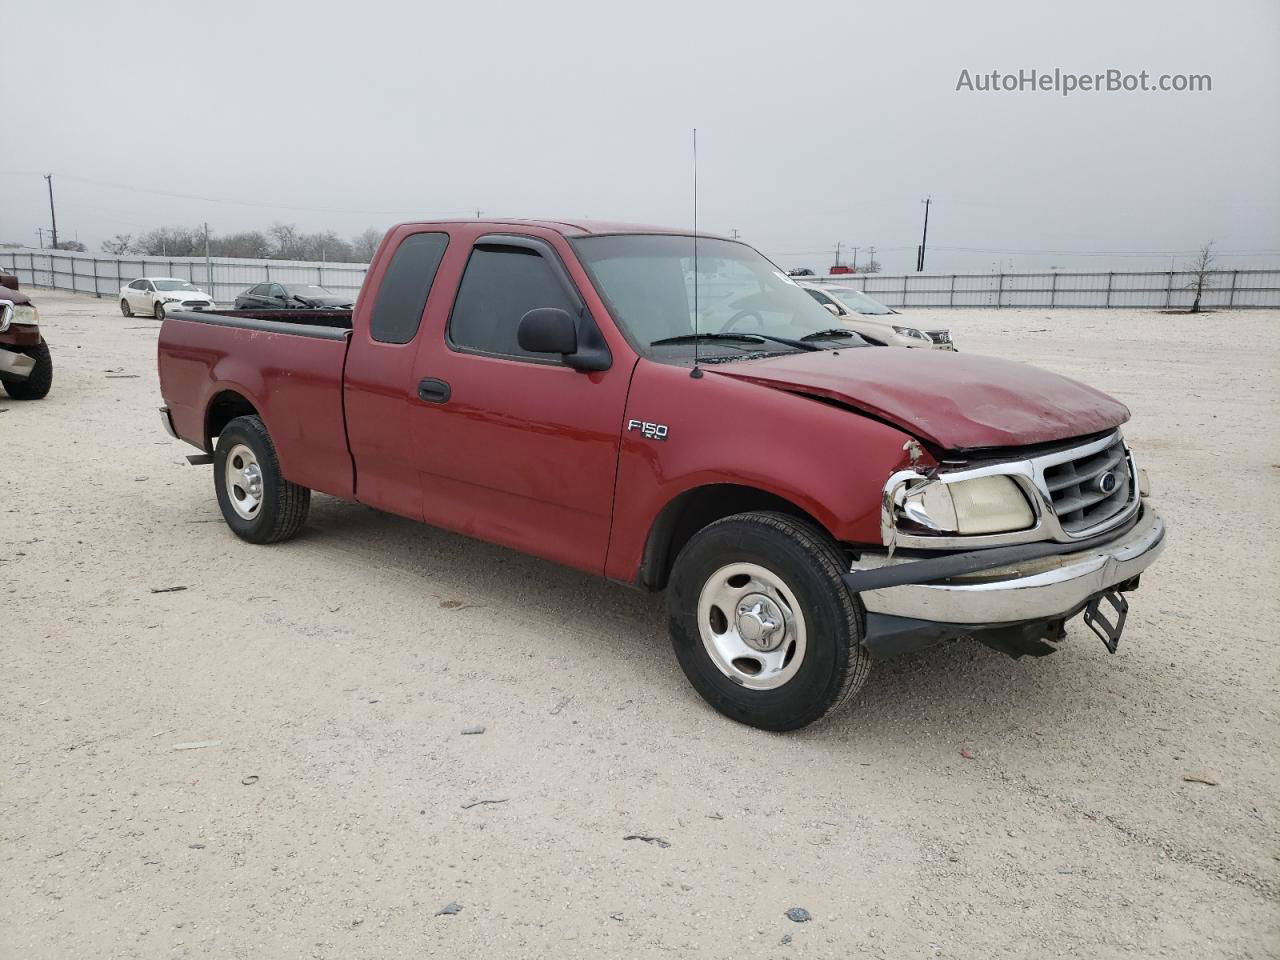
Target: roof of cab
581, 228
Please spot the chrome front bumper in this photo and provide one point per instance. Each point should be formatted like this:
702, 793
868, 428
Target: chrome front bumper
16, 366
1040, 589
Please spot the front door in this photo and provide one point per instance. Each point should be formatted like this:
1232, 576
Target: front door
512, 446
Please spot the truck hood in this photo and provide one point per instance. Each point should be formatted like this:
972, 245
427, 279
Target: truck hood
955, 401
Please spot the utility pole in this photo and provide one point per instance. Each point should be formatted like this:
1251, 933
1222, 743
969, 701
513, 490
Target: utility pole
925, 238
837, 253
855, 259
871, 256
52, 216
208, 262
735, 233
40, 233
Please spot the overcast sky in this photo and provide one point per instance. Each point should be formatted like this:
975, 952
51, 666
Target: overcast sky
817, 123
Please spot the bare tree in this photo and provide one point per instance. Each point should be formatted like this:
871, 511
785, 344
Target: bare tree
74, 245
365, 245
288, 244
117, 245
1202, 267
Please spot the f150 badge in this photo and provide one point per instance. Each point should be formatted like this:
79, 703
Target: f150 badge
651, 431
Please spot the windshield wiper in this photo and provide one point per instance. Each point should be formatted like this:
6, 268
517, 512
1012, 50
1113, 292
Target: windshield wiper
739, 337
828, 334
691, 337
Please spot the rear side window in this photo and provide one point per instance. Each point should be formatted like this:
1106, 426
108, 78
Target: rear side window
500, 285
402, 295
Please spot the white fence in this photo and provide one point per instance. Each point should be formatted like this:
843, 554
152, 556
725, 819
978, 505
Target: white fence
1164, 290
222, 278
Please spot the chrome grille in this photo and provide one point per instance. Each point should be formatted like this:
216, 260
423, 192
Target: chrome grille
1090, 490
939, 336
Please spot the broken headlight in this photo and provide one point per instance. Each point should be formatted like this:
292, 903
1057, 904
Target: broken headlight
992, 504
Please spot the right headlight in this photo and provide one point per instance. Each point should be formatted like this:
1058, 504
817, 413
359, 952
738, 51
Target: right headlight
912, 333
980, 505
20, 313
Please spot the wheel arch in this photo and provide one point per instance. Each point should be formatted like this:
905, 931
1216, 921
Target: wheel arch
692, 510
224, 406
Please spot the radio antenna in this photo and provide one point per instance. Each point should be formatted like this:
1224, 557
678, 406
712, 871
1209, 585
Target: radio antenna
696, 372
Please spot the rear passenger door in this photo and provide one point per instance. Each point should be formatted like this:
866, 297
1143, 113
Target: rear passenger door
379, 385
514, 447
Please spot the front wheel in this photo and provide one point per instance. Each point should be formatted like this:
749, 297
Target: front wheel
158, 310
762, 624
36, 386
257, 502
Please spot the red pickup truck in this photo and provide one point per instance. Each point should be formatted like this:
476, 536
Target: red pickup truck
672, 411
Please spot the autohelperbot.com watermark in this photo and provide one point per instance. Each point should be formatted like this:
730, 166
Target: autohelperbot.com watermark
1065, 82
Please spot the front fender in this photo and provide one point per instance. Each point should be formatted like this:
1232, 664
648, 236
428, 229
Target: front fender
829, 461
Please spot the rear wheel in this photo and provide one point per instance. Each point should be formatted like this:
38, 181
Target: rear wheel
762, 624
125, 308
257, 502
37, 385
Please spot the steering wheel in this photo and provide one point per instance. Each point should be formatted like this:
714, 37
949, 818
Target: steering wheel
739, 317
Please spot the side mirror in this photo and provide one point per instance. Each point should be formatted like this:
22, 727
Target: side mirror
832, 309
548, 330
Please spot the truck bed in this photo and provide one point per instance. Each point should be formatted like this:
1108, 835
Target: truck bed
329, 324
287, 364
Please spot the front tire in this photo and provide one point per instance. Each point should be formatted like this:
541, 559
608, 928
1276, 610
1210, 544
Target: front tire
157, 310
37, 385
762, 624
125, 308
256, 500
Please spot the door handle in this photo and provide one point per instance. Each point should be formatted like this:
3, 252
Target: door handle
433, 391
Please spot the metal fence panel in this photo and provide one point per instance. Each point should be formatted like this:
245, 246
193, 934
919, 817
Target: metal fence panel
1168, 290
224, 278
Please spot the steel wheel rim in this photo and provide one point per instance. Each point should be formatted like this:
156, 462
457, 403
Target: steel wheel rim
751, 626
244, 481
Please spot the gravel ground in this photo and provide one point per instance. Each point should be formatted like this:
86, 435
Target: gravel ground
326, 805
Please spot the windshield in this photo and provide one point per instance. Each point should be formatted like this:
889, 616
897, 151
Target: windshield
858, 302
307, 290
649, 283
175, 285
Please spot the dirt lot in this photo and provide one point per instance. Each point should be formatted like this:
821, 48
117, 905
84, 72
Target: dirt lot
967, 806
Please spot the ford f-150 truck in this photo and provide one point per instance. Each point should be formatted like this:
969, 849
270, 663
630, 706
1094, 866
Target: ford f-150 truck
673, 412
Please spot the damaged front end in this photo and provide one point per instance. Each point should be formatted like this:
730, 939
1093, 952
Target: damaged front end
1006, 550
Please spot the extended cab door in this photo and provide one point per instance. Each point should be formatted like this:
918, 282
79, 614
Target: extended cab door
515, 447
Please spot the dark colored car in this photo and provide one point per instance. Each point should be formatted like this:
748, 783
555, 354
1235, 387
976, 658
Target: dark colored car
292, 296
25, 366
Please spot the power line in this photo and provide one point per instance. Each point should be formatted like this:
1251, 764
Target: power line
207, 199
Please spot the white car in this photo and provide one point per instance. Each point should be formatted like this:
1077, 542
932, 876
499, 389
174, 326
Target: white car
155, 295
872, 320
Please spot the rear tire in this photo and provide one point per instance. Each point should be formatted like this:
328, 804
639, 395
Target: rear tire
36, 386
762, 624
125, 308
257, 502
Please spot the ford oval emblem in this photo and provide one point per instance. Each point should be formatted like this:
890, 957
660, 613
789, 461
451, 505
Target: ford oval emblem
1107, 482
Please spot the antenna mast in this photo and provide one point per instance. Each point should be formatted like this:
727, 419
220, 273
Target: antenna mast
696, 372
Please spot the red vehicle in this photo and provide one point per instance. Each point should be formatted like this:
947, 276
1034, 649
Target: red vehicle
677, 413
26, 369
